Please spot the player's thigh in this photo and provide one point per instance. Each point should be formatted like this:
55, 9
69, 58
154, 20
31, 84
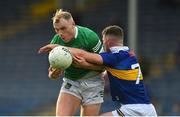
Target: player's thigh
90, 110
67, 104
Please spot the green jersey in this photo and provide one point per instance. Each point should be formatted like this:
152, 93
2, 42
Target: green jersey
85, 39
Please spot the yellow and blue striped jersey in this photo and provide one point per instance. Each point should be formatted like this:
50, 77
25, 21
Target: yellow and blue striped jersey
125, 77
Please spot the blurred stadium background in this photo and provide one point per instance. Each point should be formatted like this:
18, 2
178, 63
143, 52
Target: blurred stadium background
25, 26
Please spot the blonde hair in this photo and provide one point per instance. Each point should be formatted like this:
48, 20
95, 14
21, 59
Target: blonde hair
61, 14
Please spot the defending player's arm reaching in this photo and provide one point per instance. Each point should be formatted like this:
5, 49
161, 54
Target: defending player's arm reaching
77, 53
80, 57
47, 48
81, 62
89, 57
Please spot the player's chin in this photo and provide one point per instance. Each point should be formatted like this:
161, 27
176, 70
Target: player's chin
66, 40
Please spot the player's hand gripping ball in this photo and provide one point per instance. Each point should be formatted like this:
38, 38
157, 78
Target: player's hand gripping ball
60, 57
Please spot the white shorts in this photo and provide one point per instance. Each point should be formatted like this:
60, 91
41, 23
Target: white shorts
135, 110
89, 91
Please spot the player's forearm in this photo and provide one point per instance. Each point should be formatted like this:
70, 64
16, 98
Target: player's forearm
90, 57
87, 65
76, 52
47, 48
79, 53
93, 58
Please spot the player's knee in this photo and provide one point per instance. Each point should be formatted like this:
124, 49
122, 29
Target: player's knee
91, 110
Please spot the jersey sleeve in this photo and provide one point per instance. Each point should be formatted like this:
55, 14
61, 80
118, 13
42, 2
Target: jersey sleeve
55, 40
95, 44
110, 59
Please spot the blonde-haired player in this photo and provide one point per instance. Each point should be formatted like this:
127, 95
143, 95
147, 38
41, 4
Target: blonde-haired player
81, 87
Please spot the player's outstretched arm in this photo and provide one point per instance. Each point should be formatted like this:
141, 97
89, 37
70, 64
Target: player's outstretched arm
80, 62
47, 48
89, 57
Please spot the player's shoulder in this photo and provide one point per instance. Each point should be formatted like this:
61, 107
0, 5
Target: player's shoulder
85, 29
88, 34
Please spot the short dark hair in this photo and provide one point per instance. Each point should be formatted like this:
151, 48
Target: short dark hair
113, 30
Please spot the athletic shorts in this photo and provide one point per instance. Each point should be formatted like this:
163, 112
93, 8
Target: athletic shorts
135, 110
89, 91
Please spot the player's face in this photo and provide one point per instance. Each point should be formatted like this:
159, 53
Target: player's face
65, 29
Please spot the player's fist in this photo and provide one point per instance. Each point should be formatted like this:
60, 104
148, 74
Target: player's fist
54, 73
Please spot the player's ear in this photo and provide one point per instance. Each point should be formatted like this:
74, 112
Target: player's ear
110, 43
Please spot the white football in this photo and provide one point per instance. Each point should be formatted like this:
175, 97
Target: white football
60, 57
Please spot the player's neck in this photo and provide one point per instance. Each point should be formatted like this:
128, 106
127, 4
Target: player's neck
74, 32
116, 44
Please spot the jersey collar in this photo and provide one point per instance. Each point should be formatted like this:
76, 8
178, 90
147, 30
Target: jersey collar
116, 49
76, 34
